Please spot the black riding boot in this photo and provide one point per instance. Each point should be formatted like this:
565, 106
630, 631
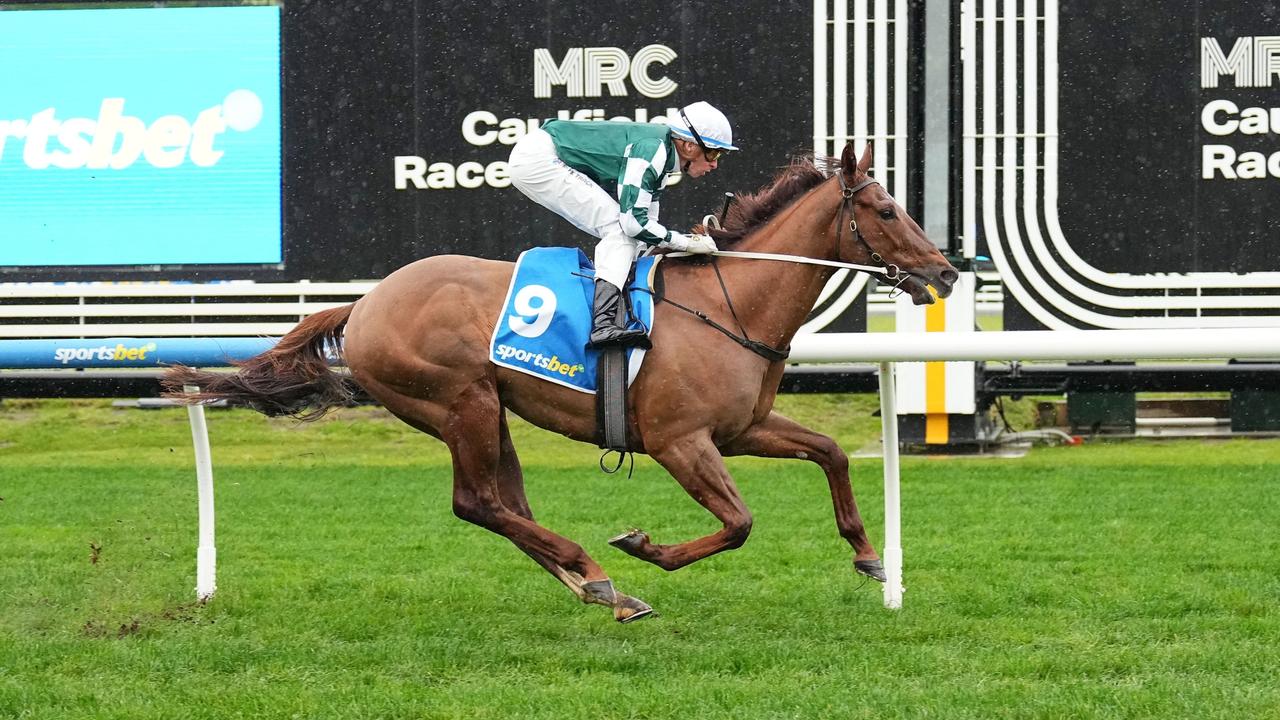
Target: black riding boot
609, 320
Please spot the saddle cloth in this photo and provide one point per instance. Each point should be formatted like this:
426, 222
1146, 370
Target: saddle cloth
546, 318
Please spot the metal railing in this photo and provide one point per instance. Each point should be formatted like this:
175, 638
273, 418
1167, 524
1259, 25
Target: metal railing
222, 309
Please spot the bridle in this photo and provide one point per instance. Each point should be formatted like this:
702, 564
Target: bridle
891, 270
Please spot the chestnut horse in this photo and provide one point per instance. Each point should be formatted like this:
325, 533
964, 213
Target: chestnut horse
419, 344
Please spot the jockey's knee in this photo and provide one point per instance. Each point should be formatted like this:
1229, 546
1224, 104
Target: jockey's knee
613, 255
614, 241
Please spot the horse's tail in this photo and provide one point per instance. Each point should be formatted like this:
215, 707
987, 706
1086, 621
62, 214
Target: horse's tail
292, 378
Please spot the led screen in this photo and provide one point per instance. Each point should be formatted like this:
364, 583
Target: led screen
140, 136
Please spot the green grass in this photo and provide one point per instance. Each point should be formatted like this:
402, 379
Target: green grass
1127, 580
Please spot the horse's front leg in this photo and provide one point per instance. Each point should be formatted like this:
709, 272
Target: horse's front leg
698, 466
779, 437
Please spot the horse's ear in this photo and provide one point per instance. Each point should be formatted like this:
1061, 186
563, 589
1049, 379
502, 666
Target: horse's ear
865, 163
853, 166
848, 161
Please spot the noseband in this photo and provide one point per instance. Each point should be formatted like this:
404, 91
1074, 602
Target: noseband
891, 270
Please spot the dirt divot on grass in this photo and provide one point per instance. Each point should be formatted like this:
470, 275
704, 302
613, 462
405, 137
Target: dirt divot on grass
183, 613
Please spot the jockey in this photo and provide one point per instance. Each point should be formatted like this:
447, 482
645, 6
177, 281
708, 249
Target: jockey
606, 178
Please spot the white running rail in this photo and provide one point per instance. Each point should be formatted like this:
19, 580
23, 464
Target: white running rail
890, 348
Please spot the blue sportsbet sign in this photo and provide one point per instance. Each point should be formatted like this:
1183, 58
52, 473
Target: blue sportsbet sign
143, 136
129, 352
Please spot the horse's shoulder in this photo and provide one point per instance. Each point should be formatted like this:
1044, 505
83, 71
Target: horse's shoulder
680, 274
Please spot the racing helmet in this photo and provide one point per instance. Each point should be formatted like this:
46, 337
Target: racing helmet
701, 120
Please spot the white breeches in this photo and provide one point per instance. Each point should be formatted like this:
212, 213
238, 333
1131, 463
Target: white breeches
538, 173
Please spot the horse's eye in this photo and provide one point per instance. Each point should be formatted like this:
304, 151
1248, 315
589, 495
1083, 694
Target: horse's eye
888, 214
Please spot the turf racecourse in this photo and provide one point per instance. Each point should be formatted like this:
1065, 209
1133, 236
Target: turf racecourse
1112, 580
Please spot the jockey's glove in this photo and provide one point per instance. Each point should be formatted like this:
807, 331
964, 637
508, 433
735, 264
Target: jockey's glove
695, 244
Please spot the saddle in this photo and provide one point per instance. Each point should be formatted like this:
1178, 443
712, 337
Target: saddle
545, 322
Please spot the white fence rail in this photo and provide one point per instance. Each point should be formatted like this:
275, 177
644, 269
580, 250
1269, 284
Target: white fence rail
890, 348
1038, 345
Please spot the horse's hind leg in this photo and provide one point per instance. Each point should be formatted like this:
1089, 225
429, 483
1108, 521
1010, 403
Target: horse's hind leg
510, 474
778, 437
488, 491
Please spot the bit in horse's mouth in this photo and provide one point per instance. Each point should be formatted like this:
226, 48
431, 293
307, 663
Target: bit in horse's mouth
919, 284
919, 291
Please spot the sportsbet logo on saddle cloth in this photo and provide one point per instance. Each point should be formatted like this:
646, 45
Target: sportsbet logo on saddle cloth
546, 318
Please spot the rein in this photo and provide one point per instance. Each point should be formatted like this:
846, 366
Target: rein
890, 271
794, 259
767, 352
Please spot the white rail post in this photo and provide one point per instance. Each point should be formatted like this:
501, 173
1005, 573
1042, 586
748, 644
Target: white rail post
206, 554
892, 505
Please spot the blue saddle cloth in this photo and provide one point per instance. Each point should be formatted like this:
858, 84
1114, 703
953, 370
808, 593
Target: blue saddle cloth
546, 319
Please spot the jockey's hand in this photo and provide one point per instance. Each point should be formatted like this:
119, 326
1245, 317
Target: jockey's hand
695, 244
701, 244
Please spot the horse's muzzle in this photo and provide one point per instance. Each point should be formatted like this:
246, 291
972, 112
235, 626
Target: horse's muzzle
942, 279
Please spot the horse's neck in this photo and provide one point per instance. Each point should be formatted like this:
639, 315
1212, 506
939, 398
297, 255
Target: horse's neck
801, 229
773, 298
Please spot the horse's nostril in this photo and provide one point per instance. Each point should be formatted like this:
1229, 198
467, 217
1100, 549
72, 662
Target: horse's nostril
949, 276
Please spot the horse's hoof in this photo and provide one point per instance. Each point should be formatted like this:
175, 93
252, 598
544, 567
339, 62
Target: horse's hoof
630, 541
599, 592
873, 569
630, 609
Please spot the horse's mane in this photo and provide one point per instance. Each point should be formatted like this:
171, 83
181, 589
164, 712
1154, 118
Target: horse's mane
751, 210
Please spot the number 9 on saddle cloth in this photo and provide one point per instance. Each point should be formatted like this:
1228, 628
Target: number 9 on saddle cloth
546, 318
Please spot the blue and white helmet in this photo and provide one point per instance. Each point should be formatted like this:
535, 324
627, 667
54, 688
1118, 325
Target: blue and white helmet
709, 123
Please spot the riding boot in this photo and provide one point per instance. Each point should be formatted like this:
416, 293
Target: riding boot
609, 320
